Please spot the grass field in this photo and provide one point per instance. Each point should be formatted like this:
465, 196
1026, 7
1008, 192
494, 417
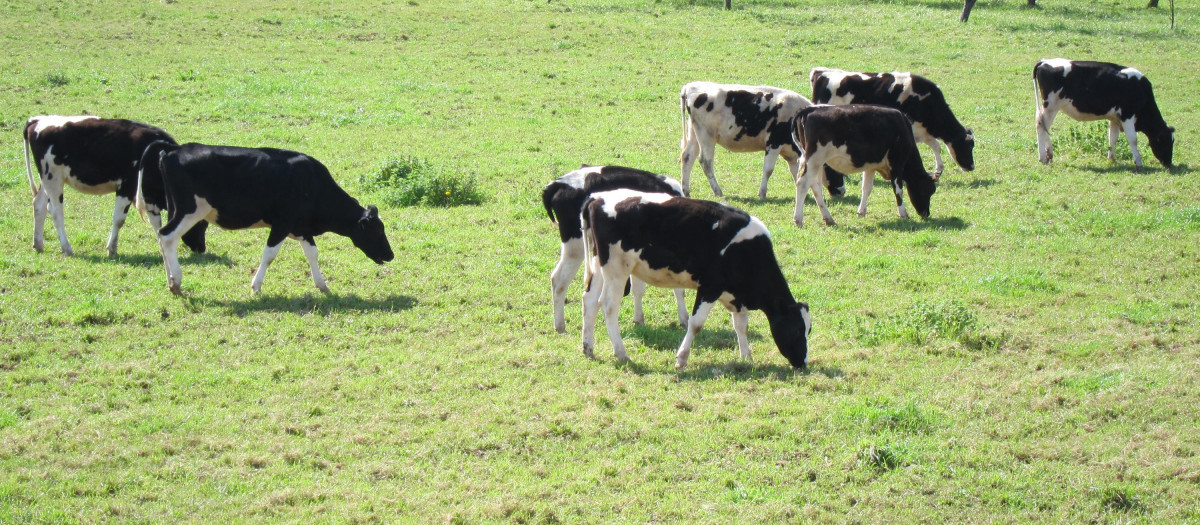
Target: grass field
1028, 354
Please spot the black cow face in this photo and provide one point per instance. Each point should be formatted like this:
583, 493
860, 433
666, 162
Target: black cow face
790, 331
370, 238
963, 150
921, 188
1163, 145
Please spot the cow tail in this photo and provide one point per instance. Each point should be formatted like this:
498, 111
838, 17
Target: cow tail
29, 162
150, 165
548, 200
589, 244
684, 119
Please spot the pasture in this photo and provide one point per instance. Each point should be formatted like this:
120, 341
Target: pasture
1028, 354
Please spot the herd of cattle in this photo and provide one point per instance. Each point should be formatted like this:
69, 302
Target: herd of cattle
627, 227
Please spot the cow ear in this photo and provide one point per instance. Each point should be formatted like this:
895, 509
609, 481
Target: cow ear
372, 212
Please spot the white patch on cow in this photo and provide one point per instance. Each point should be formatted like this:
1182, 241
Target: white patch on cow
904, 81
838, 158
920, 134
209, 212
836, 77
661, 277
716, 225
56, 121
752, 230
610, 199
577, 179
1130, 73
1062, 63
674, 184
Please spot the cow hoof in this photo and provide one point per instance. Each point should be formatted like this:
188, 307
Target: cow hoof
175, 289
38, 248
562, 329
799, 222
830, 222
862, 214
324, 289
587, 351
680, 365
68, 252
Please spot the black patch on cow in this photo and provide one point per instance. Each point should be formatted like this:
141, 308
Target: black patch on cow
1097, 87
748, 112
709, 107
563, 202
700, 100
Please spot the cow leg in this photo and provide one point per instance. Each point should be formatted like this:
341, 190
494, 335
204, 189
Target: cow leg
938, 167
898, 187
593, 284
637, 288
610, 302
868, 183
818, 191
679, 302
691, 151
808, 166
41, 205
1114, 133
168, 244
1045, 118
570, 258
741, 323
708, 148
695, 323
120, 211
53, 188
1131, 136
274, 243
768, 167
310, 252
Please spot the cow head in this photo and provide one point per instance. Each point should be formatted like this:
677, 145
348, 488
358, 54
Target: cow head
790, 329
1163, 145
369, 237
962, 149
921, 188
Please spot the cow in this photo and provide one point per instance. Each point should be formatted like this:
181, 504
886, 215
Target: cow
563, 199
919, 98
739, 118
96, 156
235, 188
1100, 90
676, 242
861, 137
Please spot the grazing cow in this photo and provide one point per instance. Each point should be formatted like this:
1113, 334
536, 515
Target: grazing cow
918, 97
676, 242
95, 156
563, 199
291, 193
1100, 90
739, 118
861, 137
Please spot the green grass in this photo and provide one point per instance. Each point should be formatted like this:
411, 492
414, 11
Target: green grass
1026, 355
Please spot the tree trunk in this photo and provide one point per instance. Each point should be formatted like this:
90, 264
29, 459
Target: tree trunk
1153, 3
1031, 3
966, 12
728, 6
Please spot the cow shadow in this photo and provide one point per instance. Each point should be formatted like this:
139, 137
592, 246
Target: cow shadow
755, 200
154, 260
933, 223
738, 370
969, 184
1130, 169
312, 304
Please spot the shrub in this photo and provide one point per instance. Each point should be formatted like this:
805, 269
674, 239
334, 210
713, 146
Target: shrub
411, 181
878, 457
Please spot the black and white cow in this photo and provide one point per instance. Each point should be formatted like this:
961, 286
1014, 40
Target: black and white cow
1100, 90
96, 156
919, 98
563, 199
235, 188
675, 242
861, 137
739, 118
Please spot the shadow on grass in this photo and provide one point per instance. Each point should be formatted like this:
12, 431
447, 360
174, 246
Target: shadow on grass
318, 304
756, 200
1123, 168
972, 184
739, 370
912, 225
154, 260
